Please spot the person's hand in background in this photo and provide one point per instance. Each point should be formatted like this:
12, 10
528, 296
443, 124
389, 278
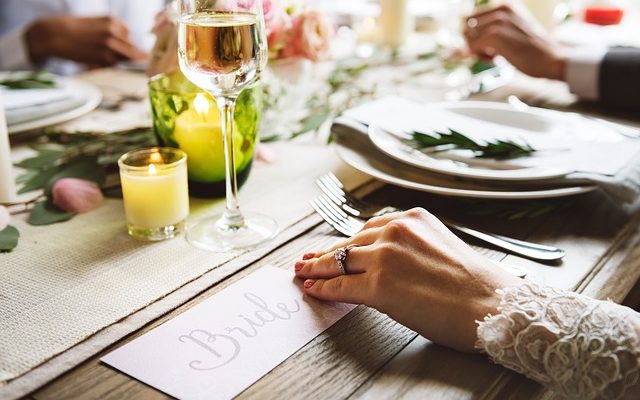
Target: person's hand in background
518, 38
100, 41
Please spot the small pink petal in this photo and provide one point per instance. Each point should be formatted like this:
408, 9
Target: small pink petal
76, 195
4, 217
266, 154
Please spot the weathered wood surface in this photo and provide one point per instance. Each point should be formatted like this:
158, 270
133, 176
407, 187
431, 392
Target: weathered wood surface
368, 356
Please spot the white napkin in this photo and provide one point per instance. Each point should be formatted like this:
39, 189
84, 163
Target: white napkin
25, 105
570, 143
21, 98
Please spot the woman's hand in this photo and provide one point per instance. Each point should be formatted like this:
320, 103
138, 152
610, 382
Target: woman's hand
519, 39
410, 266
101, 41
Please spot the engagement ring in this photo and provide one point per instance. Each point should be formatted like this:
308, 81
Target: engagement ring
341, 258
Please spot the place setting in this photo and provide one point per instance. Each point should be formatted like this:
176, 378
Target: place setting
273, 199
536, 153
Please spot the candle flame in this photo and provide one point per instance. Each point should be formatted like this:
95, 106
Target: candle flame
155, 157
152, 169
201, 104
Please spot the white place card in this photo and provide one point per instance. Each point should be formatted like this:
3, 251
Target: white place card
226, 343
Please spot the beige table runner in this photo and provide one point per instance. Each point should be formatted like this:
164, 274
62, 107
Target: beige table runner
68, 281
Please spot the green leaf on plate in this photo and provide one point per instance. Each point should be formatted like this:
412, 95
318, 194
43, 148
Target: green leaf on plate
8, 239
45, 213
498, 149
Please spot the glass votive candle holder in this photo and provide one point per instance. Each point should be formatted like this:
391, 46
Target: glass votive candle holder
155, 192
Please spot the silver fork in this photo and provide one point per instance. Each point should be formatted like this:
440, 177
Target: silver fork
349, 226
343, 211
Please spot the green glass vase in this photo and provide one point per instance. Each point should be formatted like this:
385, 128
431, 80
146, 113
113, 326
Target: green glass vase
187, 118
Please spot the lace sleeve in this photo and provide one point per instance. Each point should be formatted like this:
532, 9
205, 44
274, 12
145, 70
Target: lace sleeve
577, 346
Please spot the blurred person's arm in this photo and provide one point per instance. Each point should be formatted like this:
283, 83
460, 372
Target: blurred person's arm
101, 41
610, 76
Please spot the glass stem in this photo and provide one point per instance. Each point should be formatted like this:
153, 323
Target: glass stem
232, 217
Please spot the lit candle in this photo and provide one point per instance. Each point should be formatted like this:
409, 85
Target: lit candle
396, 22
7, 186
198, 132
155, 192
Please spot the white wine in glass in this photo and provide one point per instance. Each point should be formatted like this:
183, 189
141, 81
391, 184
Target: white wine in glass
223, 49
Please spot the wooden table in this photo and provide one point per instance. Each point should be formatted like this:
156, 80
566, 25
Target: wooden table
367, 355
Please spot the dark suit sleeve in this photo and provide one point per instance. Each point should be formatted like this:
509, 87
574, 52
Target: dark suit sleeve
619, 83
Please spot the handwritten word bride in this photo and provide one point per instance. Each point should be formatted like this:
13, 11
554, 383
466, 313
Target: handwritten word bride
225, 347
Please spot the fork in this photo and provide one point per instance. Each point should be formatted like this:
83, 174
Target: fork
349, 226
344, 212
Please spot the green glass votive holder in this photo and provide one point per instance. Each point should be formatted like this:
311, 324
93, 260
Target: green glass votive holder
155, 192
187, 118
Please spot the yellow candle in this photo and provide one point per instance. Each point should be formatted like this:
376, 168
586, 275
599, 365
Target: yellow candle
155, 192
198, 132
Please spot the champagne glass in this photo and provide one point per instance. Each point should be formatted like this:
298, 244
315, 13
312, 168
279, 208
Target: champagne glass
223, 49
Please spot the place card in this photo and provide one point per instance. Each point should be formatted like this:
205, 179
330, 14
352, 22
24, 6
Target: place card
226, 343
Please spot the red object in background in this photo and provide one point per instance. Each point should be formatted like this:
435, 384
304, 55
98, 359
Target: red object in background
602, 15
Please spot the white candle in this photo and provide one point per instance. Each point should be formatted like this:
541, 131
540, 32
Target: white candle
155, 192
396, 22
7, 185
544, 11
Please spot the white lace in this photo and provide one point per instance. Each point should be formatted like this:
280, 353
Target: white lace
577, 346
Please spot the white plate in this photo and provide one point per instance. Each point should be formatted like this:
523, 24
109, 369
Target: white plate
532, 120
89, 93
357, 150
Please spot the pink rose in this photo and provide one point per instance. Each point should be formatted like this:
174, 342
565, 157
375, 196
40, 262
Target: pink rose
4, 218
310, 36
76, 195
266, 154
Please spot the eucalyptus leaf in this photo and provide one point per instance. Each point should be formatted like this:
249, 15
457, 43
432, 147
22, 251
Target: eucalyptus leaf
81, 167
314, 121
45, 213
44, 159
8, 239
498, 149
38, 181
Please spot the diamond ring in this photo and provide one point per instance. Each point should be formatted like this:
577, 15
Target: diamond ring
341, 258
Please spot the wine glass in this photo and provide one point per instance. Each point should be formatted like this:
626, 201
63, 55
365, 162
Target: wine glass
223, 49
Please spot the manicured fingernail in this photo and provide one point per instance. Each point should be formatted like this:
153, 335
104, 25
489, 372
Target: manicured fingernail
299, 265
308, 256
308, 283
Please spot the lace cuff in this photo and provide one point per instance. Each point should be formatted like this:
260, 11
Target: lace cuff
577, 346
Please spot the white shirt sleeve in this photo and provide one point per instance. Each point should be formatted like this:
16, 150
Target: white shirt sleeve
15, 55
583, 72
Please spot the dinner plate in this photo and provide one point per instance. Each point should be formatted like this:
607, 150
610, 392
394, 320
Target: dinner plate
535, 123
356, 149
86, 98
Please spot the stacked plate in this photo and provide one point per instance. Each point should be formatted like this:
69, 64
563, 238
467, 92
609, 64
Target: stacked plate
572, 151
29, 109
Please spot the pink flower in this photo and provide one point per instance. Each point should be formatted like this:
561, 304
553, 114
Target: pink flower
266, 154
310, 36
4, 218
76, 195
